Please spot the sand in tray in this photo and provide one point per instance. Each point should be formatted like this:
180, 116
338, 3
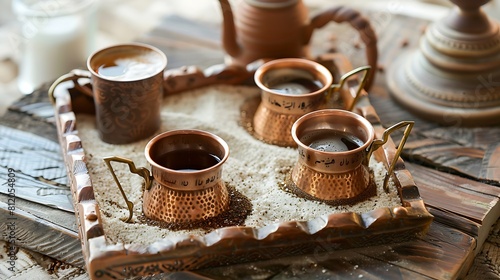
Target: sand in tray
254, 169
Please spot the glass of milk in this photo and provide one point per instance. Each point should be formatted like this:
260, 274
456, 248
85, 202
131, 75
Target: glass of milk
54, 37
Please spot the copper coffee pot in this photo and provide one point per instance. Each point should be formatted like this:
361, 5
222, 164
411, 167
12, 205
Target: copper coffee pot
334, 148
185, 182
268, 29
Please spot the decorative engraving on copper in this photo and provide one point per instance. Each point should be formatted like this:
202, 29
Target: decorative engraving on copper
290, 88
183, 193
334, 148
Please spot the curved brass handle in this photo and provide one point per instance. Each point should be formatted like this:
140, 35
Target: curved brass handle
366, 73
142, 171
74, 75
361, 24
377, 143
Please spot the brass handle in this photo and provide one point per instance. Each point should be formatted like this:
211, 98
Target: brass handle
74, 75
377, 143
366, 73
142, 171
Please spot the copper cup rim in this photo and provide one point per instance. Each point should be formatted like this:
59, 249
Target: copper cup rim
301, 63
147, 47
159, 137
334, 113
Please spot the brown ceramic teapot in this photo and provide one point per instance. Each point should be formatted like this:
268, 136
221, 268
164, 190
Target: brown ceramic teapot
282, 28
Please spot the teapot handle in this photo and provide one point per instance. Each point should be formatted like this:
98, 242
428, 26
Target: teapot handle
361, 24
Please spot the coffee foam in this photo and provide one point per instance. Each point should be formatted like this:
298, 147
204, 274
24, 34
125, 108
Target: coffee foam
130, 67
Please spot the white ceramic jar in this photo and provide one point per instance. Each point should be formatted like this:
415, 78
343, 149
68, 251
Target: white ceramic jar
54, 37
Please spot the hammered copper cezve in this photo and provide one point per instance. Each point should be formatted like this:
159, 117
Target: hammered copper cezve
338, 175
180, 195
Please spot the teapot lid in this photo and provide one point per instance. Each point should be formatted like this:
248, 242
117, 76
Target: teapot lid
271, 4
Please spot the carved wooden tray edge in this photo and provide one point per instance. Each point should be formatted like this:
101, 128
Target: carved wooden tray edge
234, 244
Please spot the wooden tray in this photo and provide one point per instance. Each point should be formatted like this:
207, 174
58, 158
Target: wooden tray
232, 245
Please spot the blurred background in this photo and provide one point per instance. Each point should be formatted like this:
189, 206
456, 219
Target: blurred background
118, 21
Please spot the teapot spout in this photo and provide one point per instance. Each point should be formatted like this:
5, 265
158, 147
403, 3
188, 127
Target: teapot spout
229, 37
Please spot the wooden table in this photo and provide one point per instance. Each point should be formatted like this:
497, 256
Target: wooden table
457, 171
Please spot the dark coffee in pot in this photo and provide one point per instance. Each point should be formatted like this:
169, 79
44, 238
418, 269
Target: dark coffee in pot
296, 85
330, 140
187, 160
